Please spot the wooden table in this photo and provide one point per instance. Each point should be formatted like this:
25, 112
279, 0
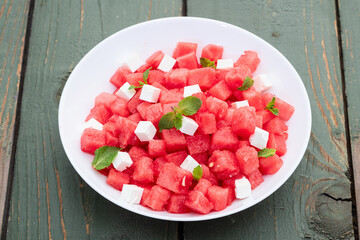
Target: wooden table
42, 197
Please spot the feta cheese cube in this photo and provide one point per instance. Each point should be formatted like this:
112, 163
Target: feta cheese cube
242, 188
240, 104
262, 83
190, 90
134, 62
189, 164
125, 93
131, 193
122, 161
225, 63
167, 63
189, 126
145, 131
150, 93
259, 138
93, 123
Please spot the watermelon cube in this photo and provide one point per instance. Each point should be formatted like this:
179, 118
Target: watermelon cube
270, 165
259, 120
243, 143
176, 78
156, 76
255, 178
135, 117
105, 171
201, 158
110, 127
117, 179
223, 139
205, 77
223, 164
142, 109
202, 97
218, 196
207, 174
167, 107
134, 102
155, 59
158, 165
247, 159
236, 76
203, 185
172, 95
230, 182
277, 142
176, 204
174, 140
145, 195
118, 78
231, 196
134, 78
197, 202
220, 90
144, 170
154, 113
100, 113
111, 140
105, 99
125, 130
276, 126
92, 139
183, 48
119, 107
136, 153
157, 148
206, 122
221, 74
212, 52
249, 59
253, 97
176, 158
285, 109
158, 198
198, 143
265, 115
188, 61
143, 68
217, 107
244, 121
174, 178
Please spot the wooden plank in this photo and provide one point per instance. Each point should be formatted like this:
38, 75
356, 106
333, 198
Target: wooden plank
49, 200
316, 201
13, 22
350, 34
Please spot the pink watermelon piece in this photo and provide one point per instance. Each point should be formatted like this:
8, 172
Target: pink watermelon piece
207, 174
144, 170
176, 158
221, 90
100, 113
136, 153
156, 76
270, 165
201, 158
223, 139
277, 142
158, 165
176, 78
92, 139
174, 140
255, 178
276, 126
157, 148
206, 122
174, 178
119, 107
134, 78
203, 185
118, 78
236, 76
188, 61
218, 196
125, 130
155, 59
183, 48
253, 97
176, 204
135, 117
265, 115
134, 102
249, 59
197, 202
198, 143
223, 164
167, 107
244, 121
285, 109
105, 99
217, 107
157, 198
111, 140
172, 95
247, 159
212, 52
117, 179
205, 77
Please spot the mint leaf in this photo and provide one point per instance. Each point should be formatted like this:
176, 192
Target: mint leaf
104, 156
271, 108
266, 152
197, 173
178, 121
248, 82
167, 121
207, 63
145, 77
189, 105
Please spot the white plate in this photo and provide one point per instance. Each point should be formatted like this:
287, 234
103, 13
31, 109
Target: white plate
91, 77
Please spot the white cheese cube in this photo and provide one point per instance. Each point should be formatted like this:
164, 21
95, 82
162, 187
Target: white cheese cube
122, 161
259, 138
131, 193
240, 104
125, 93
190, 90
189, 164
242, 188
225, 63
93, 123
134, 62
145, 131
150, 93
189, 126
166, 63
262, 83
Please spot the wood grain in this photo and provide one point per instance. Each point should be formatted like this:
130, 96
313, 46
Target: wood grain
13, 22
316, 201
49, 200
350, 34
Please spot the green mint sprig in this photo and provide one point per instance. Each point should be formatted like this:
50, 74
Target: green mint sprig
104, 156
197, 173
248, 82
266, 152
207, 63
145, 77
271, 107
186, 107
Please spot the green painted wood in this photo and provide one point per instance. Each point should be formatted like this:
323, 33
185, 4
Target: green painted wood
49, 200
350, 35
316, 201
13, 21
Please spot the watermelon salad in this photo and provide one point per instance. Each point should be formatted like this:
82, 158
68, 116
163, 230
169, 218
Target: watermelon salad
184, 134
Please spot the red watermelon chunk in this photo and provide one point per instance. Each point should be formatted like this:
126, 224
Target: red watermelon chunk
207, 174
183, 48
285, 109
174, 178
154, 113
218, 196
230, 182
176, 158
158, 165
207, 122
117, 179
144, 170
217, 107
167, 107
176, 78
105, 99
259, 121
176, 204
205, 77
266, 116
231, 196
221, 74
118, 78
198, 202
243, 143
270, 165
100, 113
145, 195
142, 109
125, 130
188, 61
134, 102
156, 76
136, 153
111, 140
276, 126
92, 139
198, 143
248, 160
277, 142
110, 127
157, 148
119, 107
244, 121
256, 178
223, 164
202, 97
158, 198
249, 59
236, 76
143, 68
172, 95
134, 78
220, 91
135, 117
201, 158
174, 140
212, 52
203, 185
155, 59
223, 139
253, 97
